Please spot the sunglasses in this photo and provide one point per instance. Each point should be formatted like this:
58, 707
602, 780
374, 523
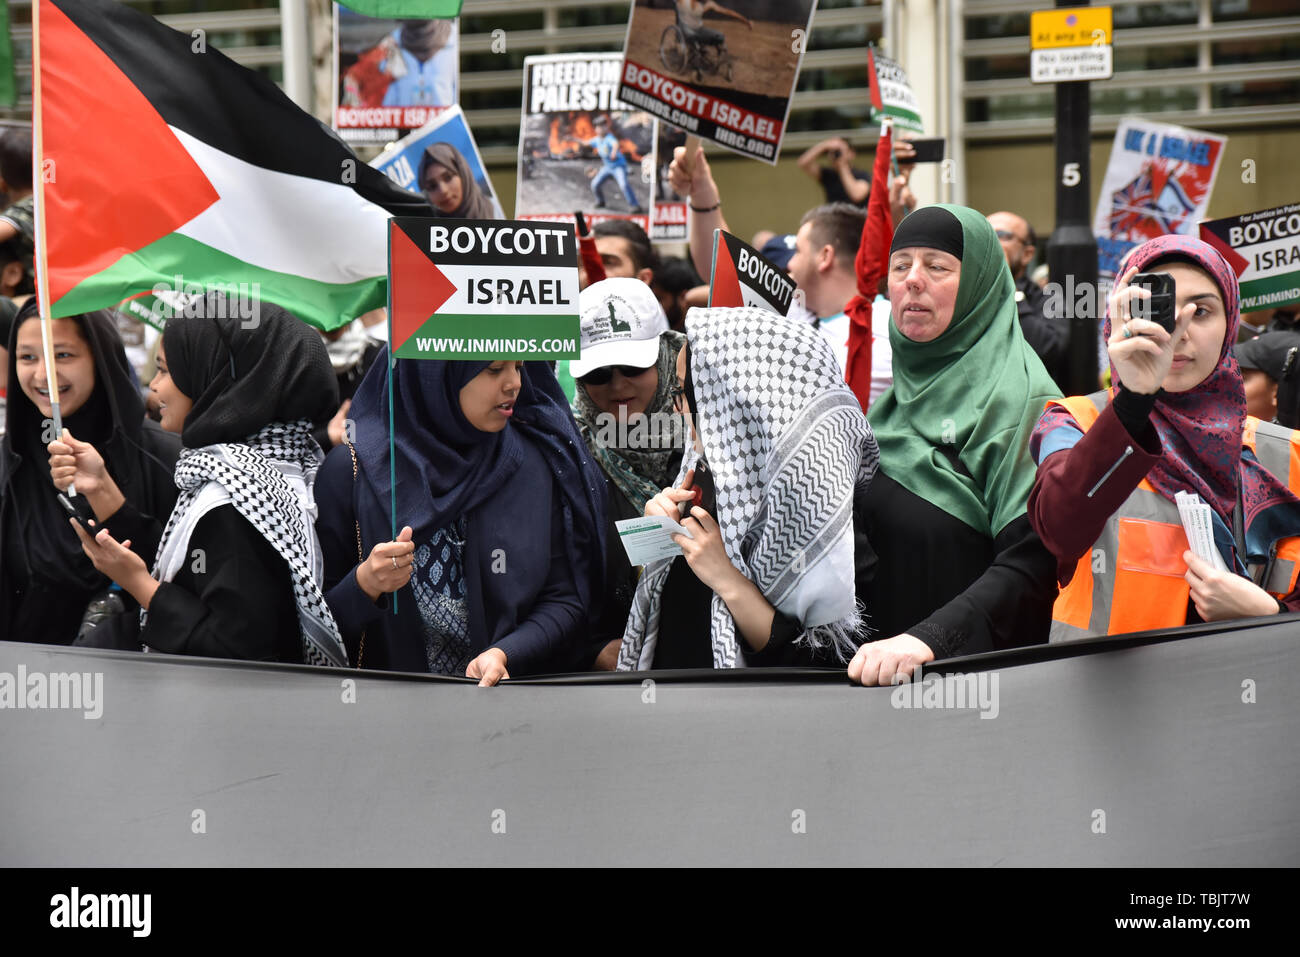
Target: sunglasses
603, 375
1007, 234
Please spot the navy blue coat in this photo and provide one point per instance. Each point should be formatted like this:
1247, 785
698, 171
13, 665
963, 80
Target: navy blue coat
520, 590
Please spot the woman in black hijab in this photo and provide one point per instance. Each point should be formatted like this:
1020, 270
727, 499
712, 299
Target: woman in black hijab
449, 185
121, 464
239, 567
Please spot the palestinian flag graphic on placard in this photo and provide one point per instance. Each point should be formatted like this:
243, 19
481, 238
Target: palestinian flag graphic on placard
742, 276
164, 162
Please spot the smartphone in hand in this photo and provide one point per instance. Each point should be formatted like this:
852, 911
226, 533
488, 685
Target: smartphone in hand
79, 512
1160, 307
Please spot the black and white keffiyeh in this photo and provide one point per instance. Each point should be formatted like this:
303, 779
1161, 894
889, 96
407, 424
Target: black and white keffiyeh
268, 478
788, 445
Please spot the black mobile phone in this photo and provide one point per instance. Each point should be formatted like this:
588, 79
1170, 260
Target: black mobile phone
928, 150
1160, 307
79, 511
705, 496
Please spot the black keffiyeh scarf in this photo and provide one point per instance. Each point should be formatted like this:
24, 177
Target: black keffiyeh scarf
267, 478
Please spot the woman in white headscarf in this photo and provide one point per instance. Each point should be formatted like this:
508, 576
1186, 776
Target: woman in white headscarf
781, 446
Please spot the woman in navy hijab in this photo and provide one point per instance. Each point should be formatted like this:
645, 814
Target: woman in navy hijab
497, 567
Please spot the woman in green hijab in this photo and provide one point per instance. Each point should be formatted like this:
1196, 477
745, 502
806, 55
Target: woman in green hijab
957, 568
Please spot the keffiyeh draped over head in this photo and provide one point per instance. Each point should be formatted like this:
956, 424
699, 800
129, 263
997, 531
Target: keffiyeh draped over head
258, 388
639, 473
1201, 429
954, 428
788, 445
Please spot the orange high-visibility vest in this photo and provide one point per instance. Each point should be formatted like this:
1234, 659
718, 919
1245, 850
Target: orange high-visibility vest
1132, 578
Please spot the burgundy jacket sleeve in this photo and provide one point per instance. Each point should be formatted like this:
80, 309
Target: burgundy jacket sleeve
1081, 486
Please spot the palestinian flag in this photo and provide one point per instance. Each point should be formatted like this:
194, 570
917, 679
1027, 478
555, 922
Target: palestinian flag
166, 163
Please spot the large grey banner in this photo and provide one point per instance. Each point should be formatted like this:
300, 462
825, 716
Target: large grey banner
1176, 753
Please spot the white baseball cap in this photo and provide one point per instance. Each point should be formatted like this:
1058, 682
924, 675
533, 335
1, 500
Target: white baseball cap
621, 321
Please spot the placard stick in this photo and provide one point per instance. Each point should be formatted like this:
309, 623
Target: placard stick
41, 257
392, 424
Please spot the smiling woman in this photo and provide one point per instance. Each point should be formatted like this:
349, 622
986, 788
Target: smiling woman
238, 565
120, 463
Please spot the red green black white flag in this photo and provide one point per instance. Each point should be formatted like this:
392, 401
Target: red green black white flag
162, 158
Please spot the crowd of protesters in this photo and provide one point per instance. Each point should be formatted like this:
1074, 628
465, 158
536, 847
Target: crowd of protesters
960, 505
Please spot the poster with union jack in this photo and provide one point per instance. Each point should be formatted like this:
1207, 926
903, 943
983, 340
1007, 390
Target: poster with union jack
1158, 181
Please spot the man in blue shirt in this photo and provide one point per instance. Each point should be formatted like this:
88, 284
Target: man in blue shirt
613, 165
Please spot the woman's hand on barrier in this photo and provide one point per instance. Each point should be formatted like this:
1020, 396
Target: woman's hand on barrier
489, 667
668, 501
389, 566
1142, 351
1222, 596
884, 662
607, 660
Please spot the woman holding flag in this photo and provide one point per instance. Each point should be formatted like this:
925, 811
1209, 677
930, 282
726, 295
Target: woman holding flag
498, 565
119, 462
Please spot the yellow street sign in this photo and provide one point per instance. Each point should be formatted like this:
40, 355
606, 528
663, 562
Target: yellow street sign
1069, 27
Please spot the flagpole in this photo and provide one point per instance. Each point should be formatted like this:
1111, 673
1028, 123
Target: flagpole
392, 425
41, 259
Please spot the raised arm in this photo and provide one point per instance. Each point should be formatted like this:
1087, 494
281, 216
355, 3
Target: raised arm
692, 178
808, 161
710, 5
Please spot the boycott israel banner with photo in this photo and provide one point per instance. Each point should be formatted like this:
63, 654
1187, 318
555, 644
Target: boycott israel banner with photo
392, 76
725, 72
482, 289
891, 94
441, 162
668, 214
580, 148
1263, 249
1158, 181
742, 276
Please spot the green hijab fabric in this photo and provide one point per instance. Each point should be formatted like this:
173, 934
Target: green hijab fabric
977, 389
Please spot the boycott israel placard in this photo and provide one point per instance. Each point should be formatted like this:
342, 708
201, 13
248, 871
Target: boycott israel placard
891, 94
669, 210
441, 162
482, 289
393, 75
580, 149
722, 71
1263, 249
1158, 182
741, 276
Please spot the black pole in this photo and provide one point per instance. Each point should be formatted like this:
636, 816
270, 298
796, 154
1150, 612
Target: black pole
1072, 252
